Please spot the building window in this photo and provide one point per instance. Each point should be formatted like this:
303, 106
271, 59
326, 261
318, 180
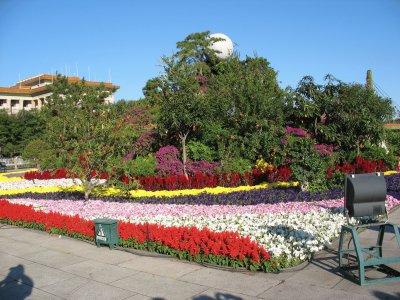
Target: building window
14, 106
27, 104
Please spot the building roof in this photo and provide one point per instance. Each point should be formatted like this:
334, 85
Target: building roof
392, 126
39, 85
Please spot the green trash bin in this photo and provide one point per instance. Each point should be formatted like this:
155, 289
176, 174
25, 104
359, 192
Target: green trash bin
106, 231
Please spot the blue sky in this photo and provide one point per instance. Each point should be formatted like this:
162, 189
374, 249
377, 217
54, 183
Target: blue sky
125, 40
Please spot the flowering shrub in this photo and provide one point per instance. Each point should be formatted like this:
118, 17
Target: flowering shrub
306, 163
185, 242
168, 162
323, 149
127, 157
296, 131
200, 166
145, 142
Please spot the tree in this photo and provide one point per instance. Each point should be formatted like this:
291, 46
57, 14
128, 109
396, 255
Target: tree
84, 130
347, 115
247, 106
182, 105
180, 92
39, 151
229, 105
4, 132
17, 130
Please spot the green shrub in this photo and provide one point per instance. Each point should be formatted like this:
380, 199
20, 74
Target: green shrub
198, 151
374, 153
235, 165
306, 164
41, 153
393, 140
141, 166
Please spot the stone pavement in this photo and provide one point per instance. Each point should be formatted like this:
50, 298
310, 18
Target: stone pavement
36, 265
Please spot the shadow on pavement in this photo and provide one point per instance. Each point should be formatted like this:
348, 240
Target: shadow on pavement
17, 285
218, 296
328, 260
385, 296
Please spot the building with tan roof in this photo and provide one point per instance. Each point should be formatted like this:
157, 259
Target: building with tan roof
31, 93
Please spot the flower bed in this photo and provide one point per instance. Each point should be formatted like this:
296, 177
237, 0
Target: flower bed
290, 224
293, 229
201, 245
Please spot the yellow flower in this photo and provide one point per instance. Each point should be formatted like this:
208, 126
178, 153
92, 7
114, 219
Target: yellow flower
390, 172
102, 191
4, 178
51, 189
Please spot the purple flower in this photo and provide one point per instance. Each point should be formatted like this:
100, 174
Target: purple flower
296, 131
168, 162
128, 157
323, 149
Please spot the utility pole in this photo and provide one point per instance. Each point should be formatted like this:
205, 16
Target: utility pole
370, 83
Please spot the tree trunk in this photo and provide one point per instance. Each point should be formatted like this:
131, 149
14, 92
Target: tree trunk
87, 194
183, 141
88, 189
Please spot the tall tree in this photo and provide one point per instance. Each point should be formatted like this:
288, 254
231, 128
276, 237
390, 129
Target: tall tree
247, 102
182, 105
180, 92
226, 103
84, 130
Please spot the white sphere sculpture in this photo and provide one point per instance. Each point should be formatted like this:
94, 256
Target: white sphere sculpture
225, 46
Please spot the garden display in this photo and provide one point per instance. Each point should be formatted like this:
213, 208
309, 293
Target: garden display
217, 164
264, 227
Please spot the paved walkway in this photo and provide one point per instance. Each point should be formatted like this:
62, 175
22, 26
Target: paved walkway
36, 265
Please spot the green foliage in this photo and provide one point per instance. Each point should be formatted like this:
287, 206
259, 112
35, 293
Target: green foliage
17, 130
198, 151
306, 164
375, 152
347, 115
247, 105
41, 153
233, 107
219, 138
194, 50
177, 93
393, 140
31, 225
235, 165
140, 166
84, 131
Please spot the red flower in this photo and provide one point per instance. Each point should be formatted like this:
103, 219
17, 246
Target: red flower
193, 240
